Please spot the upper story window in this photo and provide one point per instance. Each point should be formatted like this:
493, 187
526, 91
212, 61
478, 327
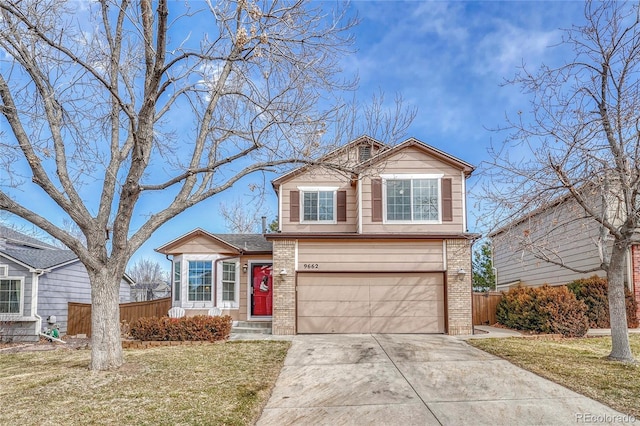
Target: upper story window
412, 198
318, 206
323, 205
200, 280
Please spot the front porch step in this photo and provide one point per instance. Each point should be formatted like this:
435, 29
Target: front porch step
257, 327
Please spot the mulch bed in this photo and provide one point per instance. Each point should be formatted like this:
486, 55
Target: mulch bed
73, 343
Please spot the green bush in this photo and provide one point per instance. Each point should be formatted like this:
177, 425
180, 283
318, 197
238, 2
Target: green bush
543, 309
196, 328
594, 293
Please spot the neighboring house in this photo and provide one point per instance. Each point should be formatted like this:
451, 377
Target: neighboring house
381, 249
145, 291
37, 280
555, 245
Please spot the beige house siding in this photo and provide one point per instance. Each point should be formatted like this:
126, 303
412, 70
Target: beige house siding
558, 233
200, 244
319, 178
414, 161
370, 255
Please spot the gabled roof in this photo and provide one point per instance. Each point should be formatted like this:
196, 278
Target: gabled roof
32, 252
434, 152
238, 243
40, 258
384, 152
362, 140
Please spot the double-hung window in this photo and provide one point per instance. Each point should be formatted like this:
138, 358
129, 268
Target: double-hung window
200, 280
318, 205
11, 295
176, 279
228, 281
412, 198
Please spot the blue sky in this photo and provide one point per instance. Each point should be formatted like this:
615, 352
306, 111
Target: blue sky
448, 59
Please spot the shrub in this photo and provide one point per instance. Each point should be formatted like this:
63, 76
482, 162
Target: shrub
543, 309
196, 328
594, 293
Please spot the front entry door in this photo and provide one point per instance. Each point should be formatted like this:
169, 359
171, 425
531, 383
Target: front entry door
261, 289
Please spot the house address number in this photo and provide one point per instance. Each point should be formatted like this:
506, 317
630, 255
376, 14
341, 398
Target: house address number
311, 266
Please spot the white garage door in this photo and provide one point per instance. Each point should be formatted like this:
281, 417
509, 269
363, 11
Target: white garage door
388, 302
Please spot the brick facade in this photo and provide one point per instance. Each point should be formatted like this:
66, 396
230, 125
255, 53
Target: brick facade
284, 287
635, 263
459, 295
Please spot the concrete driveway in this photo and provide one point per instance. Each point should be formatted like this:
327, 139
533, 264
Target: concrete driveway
416, 380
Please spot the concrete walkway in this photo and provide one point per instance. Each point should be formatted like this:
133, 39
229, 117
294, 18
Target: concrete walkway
416, 380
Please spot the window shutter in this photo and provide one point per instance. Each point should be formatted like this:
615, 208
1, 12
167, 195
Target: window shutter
447, 201
341, 203
294, 206
376, 200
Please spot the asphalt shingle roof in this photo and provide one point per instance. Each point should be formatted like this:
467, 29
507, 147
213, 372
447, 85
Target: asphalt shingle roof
247, 242
32, 252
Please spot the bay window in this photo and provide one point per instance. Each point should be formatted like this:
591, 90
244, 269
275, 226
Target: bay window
200, 280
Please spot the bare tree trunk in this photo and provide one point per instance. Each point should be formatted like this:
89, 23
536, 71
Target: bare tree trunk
620, 349
106, 346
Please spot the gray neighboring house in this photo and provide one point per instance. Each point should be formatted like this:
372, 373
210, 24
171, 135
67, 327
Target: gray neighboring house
37, 280
145, 291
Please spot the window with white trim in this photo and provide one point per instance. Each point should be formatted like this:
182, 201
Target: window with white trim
229, 281
412, 199
318, 205
11, 295
200, 280
177, 266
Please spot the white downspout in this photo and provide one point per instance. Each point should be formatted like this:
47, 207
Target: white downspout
359, 203
36, 274
464, 203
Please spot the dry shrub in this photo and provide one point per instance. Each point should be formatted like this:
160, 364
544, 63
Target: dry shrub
543, 309
196, 328
594, 293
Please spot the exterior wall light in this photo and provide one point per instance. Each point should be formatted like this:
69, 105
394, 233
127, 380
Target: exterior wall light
244, 268
283, 272
461, 273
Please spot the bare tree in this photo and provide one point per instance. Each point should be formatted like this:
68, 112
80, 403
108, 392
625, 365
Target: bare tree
147, 271
126, 102
580, 147
243, 216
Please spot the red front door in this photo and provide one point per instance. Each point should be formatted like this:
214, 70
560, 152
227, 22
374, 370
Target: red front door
262, 289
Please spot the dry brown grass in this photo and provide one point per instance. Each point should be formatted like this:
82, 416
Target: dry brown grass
215, 384
578, 364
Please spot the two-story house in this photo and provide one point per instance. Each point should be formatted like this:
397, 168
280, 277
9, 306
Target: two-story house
380, 248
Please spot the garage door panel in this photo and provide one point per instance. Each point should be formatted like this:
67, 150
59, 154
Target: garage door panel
412, 308
334, 308
401, 292
355, 302
430, 324
347, 325
333, 293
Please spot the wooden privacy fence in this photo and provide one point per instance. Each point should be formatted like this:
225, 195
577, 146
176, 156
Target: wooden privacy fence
80, 313
484, 307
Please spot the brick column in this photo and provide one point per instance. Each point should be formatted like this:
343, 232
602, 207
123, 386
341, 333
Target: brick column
459, 296
284, 288
635, 275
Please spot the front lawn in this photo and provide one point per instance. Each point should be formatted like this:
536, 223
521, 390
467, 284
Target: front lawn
577, 364
212, 384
